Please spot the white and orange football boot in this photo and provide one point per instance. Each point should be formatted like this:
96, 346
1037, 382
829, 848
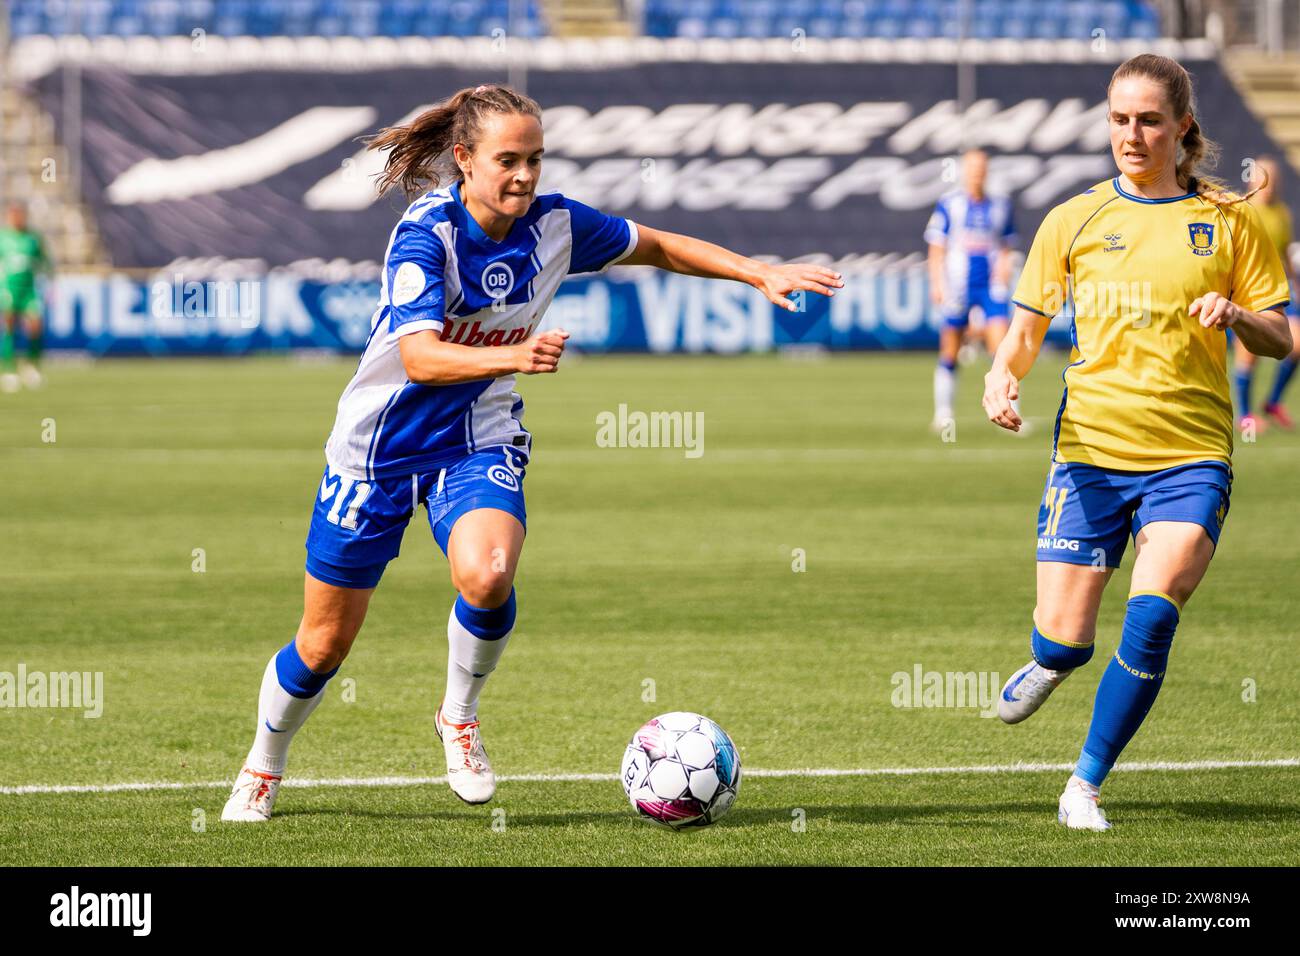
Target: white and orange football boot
469, 773
252, 797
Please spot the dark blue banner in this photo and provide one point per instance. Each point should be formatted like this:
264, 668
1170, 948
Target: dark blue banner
629, 310
788, 159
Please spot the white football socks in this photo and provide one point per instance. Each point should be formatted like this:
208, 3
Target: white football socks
279, 715
945, 390
470, 660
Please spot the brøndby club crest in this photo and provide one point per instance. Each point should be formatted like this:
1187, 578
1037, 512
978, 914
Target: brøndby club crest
1202, 238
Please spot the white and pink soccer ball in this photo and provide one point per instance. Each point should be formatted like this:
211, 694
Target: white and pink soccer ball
681, 770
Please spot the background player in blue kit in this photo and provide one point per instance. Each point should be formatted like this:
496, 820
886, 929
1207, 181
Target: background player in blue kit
970, 237
431, 415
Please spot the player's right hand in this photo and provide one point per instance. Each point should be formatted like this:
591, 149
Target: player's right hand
936, 293
542, 352
1001, 388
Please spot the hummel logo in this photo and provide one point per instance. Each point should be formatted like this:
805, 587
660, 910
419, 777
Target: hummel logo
1114, 238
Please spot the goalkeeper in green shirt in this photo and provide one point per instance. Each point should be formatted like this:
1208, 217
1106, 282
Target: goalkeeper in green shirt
22, 257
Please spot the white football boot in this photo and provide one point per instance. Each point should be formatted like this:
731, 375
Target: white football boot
1078, 807
30, 375
252, 798
9, 383
468, 771
1025, 692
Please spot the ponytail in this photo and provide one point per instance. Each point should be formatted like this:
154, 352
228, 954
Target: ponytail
418, 152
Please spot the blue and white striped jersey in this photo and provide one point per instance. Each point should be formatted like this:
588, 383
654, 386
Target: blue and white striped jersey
443, 273
971, 232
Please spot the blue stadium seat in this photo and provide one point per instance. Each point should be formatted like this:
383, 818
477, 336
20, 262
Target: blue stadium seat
803, 9
823, 28
127, 26
25, 26
855, 28
888, 28
722, 27
1016, 28
921, 28
1048, 28
1144, 29
1079, 27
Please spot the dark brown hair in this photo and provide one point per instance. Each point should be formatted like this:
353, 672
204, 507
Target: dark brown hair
417, 152
1197, 152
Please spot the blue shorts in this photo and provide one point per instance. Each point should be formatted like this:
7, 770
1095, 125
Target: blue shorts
357, 526
977, 294
1089, 513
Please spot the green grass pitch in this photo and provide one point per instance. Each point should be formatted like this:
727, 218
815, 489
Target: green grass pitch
645, 572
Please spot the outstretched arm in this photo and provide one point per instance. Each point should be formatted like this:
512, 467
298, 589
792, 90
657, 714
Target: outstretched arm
1014, 358
695, 257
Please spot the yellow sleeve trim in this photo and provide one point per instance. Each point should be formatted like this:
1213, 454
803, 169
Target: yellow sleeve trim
1178, 607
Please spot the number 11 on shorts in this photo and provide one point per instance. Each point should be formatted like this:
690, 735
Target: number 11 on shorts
348, 520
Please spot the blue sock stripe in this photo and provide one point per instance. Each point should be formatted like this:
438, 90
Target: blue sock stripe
1058, 655
950, 366
487, 623
1130, 683
296, 677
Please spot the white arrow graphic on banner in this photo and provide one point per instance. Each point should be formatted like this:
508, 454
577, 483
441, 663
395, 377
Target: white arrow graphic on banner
352, 187
306, 135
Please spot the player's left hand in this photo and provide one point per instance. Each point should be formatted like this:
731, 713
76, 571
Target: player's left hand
1216, 311
776, 282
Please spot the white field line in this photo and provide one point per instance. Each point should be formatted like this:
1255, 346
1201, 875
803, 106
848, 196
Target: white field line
581, 777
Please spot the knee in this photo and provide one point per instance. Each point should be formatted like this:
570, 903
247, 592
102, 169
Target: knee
1150, 623
1063, 627
323, 647
485, 587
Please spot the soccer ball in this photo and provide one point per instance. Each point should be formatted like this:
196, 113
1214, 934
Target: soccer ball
681, 770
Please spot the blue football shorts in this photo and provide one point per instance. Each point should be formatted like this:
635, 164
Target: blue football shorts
978, 294
357, 526
1089, 513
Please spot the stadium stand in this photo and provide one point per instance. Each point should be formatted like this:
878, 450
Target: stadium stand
30, 163
328, 18
917, 19
1271, 88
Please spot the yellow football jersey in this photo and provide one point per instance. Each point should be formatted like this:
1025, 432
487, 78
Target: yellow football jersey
1147, 385
1276, 220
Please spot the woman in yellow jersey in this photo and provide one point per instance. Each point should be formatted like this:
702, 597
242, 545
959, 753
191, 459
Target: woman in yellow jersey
1159, 262
1276, 218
